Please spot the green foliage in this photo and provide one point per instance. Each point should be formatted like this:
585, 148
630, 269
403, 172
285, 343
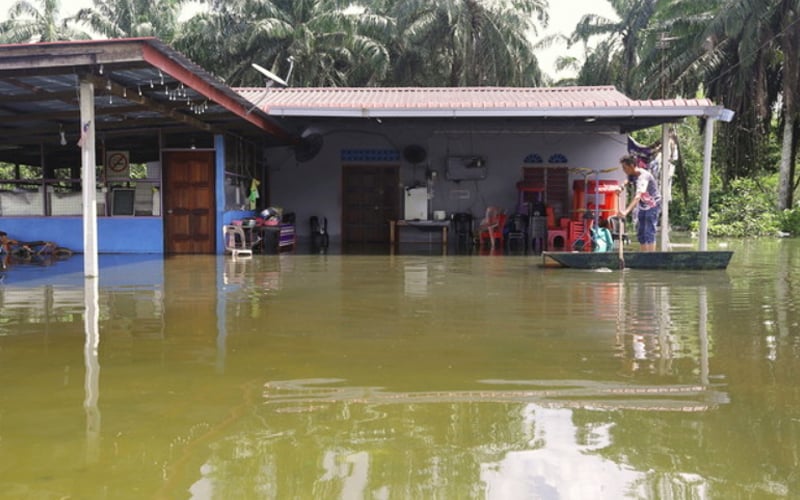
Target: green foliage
378, 43
138, 171
8, 171
746, 209
790, 220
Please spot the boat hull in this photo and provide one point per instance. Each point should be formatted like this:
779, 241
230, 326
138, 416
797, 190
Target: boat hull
683, 260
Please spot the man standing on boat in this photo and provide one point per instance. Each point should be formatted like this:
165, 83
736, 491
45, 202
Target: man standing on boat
647, 199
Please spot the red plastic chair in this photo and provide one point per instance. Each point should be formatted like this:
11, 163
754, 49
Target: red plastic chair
579, 237
492, 229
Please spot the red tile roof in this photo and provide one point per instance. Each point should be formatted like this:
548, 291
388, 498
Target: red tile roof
464, 101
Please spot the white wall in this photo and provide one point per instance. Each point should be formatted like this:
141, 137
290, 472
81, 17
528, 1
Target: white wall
314, 188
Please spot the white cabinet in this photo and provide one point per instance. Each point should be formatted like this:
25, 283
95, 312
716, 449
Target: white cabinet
416, 203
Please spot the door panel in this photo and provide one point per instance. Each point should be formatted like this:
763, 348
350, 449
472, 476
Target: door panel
370, 199
189, 206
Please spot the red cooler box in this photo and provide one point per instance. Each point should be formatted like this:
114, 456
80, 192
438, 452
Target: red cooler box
602, 194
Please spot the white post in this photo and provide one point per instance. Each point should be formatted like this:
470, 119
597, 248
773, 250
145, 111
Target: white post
708, 137
88, 183
666, 192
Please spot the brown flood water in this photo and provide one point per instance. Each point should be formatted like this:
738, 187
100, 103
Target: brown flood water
400, 377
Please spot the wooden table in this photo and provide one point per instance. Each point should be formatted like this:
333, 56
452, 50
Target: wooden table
422, 225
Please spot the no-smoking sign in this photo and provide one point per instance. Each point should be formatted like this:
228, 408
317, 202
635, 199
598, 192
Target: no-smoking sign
118, 163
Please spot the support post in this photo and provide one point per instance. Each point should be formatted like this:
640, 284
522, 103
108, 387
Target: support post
708, 137
88, 182
666, 189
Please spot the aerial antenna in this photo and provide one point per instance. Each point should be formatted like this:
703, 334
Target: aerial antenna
290, 60
274, 79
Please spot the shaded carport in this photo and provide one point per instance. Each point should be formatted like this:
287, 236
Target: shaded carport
62, 102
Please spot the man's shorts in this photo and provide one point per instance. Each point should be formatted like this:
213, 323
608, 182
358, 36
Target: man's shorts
646, 228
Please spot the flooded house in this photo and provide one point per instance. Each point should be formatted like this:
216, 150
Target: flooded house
178, 154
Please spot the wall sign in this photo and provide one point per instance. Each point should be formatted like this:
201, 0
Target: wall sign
118, 165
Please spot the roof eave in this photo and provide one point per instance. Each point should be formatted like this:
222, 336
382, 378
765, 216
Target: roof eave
582, 112
162, 57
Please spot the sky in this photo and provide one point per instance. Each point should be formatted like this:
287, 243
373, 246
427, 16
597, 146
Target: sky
564, 15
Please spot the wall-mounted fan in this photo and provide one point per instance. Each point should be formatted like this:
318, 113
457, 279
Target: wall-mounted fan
414, 154
308, 146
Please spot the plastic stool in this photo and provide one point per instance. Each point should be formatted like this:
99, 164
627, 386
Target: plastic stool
552, 234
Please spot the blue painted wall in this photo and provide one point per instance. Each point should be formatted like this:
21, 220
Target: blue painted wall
224, 217
121, 235
114, 234
131, 235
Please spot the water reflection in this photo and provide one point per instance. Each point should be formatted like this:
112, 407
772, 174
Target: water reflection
348, 430
92, 364
540, 472
386, 376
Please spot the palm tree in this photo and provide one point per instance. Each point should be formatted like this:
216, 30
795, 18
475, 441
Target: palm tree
602, 65
132, 18
329, 45
757, 46
623, 39
687, 49
743, 54
466, 42
672, 52
214, 37
29, 22
787, 18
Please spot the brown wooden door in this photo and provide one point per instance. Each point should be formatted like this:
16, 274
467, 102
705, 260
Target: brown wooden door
370, 199
189, 207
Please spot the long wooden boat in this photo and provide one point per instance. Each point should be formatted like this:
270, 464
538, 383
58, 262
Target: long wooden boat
678, 260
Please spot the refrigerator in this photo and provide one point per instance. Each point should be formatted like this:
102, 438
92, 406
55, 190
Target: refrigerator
416, 203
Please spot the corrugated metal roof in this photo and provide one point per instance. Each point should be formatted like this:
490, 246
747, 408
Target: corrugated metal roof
140, 84
464, 101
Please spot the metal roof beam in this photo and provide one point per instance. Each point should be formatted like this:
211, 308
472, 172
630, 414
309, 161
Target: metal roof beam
132, 96
39, 96
237, 105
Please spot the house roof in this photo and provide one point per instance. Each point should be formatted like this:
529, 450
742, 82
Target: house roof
584, 103
141, 86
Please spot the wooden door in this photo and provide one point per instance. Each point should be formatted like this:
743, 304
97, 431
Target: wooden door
189, 206
370, 199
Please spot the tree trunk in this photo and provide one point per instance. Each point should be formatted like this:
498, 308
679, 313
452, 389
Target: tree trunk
785, 179
793, 165
791, 77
